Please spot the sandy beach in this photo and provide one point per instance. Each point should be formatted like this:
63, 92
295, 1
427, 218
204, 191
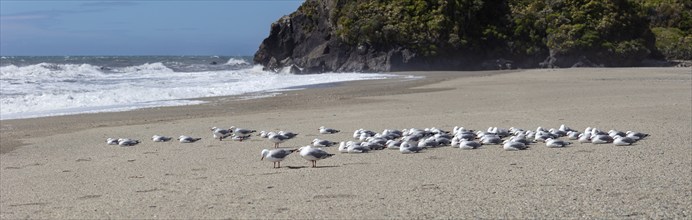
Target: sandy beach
61, 167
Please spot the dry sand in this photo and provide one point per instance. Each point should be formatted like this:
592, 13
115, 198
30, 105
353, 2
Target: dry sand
60, 167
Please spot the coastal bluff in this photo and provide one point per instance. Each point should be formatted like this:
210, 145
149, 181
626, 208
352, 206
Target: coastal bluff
385, 36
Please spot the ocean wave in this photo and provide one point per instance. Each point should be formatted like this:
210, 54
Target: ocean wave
235, 61
49, 70
147, 67
49, 89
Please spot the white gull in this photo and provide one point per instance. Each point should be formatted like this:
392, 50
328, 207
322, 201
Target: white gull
241, 132
220, 133
277, 139
324, 130
112, 141
514, 146
322, 143
469, 145
159, 138
276, 155
187, 139
313, 154
127, 142
623, 141
408, 147
636, 135
601, 139
555, 143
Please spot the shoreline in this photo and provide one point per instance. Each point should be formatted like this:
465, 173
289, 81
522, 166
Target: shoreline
14, 130
67, 170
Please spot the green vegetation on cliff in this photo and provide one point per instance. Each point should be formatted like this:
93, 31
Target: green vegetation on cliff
613, 32
428, 27
671, 22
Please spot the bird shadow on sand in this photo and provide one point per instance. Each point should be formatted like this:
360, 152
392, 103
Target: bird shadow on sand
302, 167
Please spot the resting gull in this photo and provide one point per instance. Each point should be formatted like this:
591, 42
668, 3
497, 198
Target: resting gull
601, 139
343, 148
127, 142
393, 144
514, 146
636, 135
264, 134
159, 138
353, 147
322, 143
408, 147
491, 139
324, 130
623, 141
555, 143
573, 135
112, 141
187, 139
276, 155
469, 145
372, 145
585, 138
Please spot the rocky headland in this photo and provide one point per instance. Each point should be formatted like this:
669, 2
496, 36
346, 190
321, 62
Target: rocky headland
384, 36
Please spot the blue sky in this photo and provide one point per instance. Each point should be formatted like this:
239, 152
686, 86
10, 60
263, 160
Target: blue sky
144, 27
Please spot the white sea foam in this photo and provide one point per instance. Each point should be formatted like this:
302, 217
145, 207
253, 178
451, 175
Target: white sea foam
57, 89
235, 61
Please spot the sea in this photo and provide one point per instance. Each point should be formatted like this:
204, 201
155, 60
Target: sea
41, 86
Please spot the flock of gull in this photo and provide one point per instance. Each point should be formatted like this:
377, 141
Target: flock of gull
412, 140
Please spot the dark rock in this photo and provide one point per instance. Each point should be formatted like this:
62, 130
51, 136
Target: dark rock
558, 60
304, 43
498, 64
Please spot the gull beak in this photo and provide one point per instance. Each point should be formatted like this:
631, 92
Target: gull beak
262, 157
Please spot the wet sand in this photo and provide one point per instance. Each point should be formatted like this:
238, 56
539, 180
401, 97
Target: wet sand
61, 167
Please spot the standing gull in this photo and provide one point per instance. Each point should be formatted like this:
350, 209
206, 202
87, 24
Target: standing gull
313, 154
277, 139
241, 133
276, 155
220, 133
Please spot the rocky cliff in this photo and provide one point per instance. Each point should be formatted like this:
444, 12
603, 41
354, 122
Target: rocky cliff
382, 36
306, 42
